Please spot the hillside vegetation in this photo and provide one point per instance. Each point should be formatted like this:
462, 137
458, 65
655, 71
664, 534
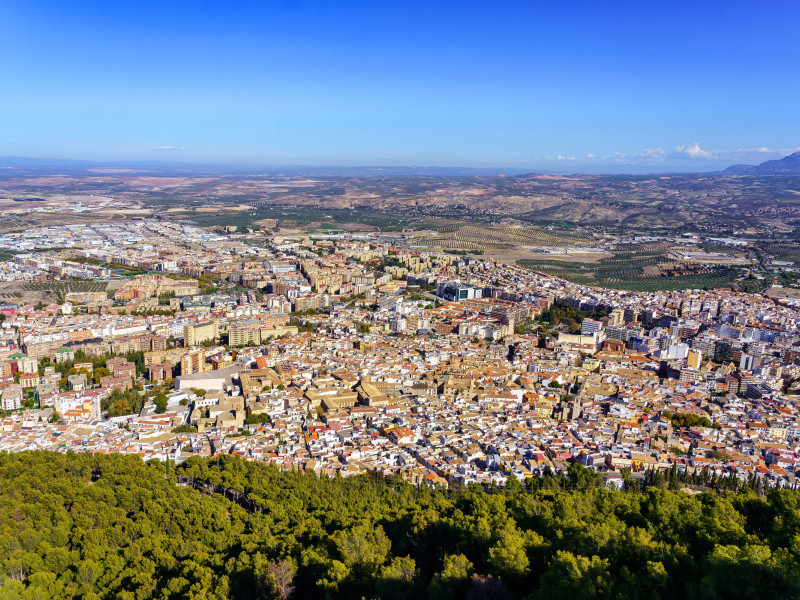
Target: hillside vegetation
86, 526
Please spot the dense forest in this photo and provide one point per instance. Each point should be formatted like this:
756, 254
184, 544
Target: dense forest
111, 526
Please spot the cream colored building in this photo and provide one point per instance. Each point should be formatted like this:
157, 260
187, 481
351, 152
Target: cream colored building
202, 332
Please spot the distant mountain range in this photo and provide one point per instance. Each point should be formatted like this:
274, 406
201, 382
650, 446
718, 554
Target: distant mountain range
16, 167
788, 165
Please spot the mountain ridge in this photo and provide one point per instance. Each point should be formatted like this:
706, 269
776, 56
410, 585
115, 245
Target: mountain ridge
789, 164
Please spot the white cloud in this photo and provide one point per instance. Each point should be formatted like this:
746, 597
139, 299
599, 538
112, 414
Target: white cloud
561, 157
652, 153
692, 150
777, 152
169, 148
738, 155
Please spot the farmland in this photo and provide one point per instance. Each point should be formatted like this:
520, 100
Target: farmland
786, 251
506, 243
638, 268
54, 291
413, 199
288, 217
487, 238
64, 287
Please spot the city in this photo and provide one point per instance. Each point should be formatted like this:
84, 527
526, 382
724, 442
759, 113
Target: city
350, 353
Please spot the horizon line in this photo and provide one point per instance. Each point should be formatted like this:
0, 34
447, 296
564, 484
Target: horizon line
495, 170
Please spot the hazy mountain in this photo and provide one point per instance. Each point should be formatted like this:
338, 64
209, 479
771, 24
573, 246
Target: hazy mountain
787, 165
15, 166
12, 167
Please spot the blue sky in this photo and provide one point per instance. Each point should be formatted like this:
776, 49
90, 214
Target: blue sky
597, 86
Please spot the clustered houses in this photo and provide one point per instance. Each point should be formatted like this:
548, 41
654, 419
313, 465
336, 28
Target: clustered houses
379, 373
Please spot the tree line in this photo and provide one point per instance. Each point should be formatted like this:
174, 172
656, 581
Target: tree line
111, 526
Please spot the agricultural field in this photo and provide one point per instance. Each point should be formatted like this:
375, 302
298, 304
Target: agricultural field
64, 287
296, 218
715, 248
786, 251
54, 291
638, 268
500, 238
400, 199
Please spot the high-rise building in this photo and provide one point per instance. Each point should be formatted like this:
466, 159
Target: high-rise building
617, 317
590, 326
202, 332
193, 362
